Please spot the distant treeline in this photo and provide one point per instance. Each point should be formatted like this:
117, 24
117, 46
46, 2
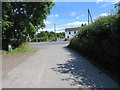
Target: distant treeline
48, 36
100, 41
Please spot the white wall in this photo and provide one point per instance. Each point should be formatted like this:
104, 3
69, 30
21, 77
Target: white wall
70, 35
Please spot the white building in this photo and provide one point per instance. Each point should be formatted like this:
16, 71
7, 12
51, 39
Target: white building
71, 32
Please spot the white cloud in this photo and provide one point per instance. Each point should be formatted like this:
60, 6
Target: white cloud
56, 15
75, 24
73, 14
61, 28
48, 22
80, 16
99, 1
113, 1
77, 17
102, 15
104, 5
45, 29
52, 29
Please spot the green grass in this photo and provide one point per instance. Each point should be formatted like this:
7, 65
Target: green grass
21, 50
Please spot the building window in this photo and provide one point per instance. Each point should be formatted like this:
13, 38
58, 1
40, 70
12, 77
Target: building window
67, 36
69, 32
74, 32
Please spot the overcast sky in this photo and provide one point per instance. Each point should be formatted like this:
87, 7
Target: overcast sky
73, 14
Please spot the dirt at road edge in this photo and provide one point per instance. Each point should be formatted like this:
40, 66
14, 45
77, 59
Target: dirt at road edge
10, 62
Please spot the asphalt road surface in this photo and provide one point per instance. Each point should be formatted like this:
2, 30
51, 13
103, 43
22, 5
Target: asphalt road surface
56, 66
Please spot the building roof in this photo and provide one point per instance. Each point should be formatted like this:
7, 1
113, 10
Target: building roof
72, 29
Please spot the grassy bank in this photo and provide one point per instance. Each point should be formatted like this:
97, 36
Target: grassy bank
100, 41
21, 50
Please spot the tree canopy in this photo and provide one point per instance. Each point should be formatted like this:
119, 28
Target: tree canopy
21, 20
49, 36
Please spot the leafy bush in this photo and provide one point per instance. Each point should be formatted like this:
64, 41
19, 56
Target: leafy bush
101, 42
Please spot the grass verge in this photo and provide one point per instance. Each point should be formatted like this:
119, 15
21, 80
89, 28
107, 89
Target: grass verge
21, 50
113, 72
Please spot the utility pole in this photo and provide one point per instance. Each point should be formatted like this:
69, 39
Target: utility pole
55, 31
55, 27
89, 17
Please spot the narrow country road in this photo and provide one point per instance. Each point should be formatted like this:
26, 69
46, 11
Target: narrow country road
56, 66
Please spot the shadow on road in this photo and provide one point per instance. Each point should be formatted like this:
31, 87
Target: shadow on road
82, 73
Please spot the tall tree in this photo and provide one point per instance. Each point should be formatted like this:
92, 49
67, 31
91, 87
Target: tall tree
22, 20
